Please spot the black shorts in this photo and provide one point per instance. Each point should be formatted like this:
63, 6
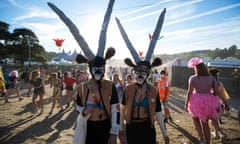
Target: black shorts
70, 88
141, 133
38, 91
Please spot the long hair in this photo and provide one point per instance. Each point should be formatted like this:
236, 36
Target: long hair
34, 74
201, 70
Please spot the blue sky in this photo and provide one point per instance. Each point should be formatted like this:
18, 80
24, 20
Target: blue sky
189, 24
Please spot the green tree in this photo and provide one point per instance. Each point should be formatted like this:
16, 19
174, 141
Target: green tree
24, 46
4, 35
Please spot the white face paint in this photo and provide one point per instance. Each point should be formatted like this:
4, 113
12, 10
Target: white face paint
98, 72
97, 76
140, 77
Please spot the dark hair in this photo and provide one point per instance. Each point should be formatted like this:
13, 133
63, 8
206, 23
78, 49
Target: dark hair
129, 76
201, 70
163, 72
214, 72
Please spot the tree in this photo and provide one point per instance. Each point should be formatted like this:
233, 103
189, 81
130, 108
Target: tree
4, 35
24, 45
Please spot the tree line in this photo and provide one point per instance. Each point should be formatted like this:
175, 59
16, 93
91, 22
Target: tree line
232, 51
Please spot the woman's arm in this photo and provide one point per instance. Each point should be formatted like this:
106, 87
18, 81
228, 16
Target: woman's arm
189, 92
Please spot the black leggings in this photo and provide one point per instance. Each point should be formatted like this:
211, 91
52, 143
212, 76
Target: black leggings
141, 133
98, 132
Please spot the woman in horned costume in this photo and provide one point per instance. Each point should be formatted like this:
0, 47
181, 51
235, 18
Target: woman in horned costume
98, 97
141, 104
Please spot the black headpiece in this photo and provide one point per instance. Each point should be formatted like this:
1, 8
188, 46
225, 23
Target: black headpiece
145, 64
89, 57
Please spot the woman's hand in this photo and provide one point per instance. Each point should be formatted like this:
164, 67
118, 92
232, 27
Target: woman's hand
112, 139
88, 110
186, 107
121, 136
166, 139
227, 108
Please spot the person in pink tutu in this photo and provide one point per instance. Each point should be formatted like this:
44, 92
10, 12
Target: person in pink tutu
202, 102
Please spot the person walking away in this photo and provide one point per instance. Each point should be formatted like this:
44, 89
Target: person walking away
200, 102
39, 90
13, 86
56, 84
163, 86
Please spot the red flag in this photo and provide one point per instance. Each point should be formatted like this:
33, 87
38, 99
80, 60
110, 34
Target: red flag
150, 36
59, 42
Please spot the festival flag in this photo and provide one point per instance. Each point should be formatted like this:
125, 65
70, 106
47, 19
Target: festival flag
140, 53
150, 37
58, 42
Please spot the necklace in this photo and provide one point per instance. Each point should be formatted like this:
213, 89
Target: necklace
140, 95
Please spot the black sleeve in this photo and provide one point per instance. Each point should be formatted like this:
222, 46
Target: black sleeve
114, 97
124, 99
78, 100
158, 104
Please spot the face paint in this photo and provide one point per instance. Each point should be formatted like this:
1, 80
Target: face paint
98, 72
162, 75
140, 77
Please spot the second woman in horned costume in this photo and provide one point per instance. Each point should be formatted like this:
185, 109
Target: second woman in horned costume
98, 97
141, 104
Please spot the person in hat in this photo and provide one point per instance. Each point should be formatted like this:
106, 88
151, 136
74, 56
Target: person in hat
141, 105
201, 101
97, 97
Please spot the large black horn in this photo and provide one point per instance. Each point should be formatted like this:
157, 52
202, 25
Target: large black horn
103, 34
128, 42
80, 40
155, 36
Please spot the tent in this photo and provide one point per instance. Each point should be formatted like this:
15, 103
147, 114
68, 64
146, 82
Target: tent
66, 56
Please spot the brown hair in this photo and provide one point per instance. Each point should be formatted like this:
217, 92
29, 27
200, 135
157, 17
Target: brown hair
201, 70
35, 73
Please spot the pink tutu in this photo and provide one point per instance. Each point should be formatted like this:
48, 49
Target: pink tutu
204, 106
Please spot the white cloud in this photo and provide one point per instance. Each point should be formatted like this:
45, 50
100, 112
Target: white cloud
221, 35
206, 13
186, 4
17, 4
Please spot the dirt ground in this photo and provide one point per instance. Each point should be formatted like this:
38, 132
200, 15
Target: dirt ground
18, 125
